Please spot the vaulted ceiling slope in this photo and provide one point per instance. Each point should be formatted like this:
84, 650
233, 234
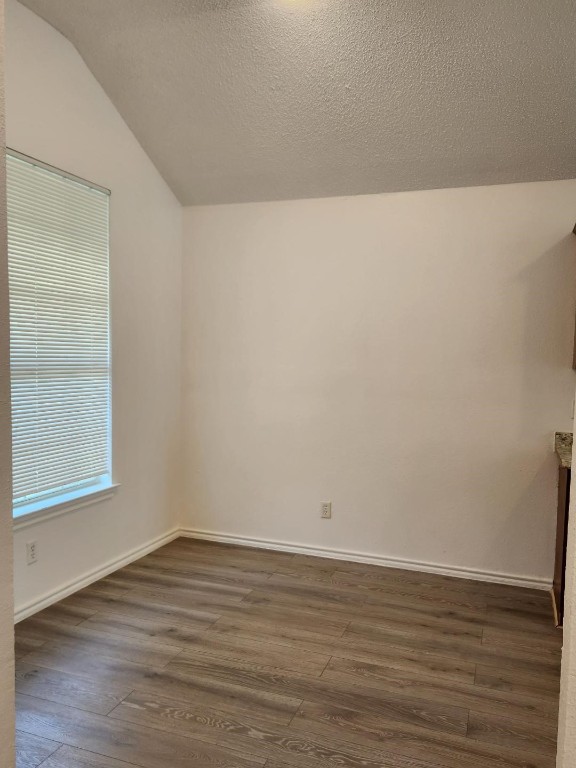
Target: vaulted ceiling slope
240, 100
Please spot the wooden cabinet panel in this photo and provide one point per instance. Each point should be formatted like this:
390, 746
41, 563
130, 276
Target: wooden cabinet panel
564, 480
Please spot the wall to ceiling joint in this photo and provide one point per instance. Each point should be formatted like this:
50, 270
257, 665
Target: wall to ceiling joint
273, 99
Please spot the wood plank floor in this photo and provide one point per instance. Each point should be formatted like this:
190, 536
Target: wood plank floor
224, 657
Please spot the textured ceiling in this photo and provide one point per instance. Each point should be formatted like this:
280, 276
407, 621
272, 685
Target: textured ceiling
238, 100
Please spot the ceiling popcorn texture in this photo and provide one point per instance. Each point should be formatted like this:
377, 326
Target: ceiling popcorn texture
245, 100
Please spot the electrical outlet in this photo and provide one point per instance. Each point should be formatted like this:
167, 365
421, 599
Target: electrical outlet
326, 510
31, 552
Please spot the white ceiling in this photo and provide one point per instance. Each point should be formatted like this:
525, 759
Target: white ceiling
238, 100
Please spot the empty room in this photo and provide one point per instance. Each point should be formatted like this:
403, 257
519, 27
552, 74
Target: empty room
287, 384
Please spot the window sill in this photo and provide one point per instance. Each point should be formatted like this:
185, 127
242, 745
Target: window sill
61, 505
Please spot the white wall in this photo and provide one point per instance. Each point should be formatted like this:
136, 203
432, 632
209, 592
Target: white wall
567, 716
6, 598
57, 112
567, 730
406, 356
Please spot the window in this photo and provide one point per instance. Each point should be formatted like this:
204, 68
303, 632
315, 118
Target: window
59, 329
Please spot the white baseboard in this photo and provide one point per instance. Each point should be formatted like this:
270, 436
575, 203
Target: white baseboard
279, 546
89, 578
494, 577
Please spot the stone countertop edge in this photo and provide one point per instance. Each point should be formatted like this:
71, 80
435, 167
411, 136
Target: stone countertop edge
563, 448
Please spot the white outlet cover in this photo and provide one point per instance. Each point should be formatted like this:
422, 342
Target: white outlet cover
326, 510
31, 552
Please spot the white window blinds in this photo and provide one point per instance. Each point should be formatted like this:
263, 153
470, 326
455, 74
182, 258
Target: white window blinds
59, 326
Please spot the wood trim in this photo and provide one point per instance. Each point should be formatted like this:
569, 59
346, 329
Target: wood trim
555, 608
563, 511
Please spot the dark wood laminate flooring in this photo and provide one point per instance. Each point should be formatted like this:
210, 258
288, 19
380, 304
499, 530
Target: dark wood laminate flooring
225, 657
